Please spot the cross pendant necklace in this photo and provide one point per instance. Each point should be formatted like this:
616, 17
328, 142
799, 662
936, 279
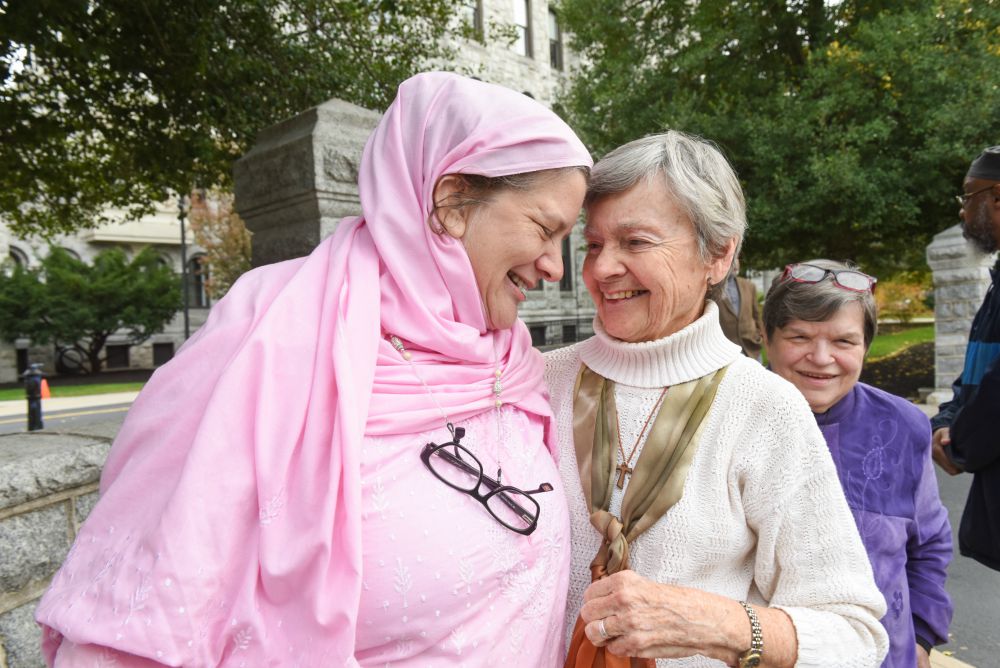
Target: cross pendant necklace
625, 467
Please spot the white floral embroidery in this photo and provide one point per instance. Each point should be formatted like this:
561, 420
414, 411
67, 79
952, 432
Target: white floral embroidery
459, 638
110, 564
485, 557
404, 647
402, 581
379, 499
137, 601
467, 574
515, 638
272, 508
243, 638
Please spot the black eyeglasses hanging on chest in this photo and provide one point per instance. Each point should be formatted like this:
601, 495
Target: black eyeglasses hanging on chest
456, 466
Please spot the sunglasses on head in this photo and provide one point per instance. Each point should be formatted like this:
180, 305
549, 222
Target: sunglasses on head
848, 279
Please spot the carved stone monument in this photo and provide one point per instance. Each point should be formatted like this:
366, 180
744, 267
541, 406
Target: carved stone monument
961, 277
300, 179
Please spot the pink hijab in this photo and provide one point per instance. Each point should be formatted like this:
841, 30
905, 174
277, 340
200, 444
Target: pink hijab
228, 528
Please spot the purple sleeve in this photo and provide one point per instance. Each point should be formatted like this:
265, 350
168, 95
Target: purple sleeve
928, 552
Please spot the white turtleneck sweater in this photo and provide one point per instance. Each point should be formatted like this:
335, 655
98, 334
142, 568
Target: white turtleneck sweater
763, 516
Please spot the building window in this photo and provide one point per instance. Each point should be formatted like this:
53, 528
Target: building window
537, 334
569, 334
162, 353
566, 282
18, 257
472, 16
197, 274
522, 27
117, 356
555, 41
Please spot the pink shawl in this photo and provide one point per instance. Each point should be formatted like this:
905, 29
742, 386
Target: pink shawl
228, 528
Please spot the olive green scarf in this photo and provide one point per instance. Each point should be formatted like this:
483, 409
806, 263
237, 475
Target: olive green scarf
655, 486
658, 480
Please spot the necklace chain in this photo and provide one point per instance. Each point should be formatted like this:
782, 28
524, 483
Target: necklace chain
497, 389
625, 468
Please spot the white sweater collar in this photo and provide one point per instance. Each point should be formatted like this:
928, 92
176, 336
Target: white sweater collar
693, 352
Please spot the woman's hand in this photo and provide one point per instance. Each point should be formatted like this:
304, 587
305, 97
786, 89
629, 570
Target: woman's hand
647, 619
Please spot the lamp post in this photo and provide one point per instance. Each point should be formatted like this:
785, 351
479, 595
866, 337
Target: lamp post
182, 209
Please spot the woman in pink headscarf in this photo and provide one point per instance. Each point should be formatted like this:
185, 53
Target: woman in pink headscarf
272, 498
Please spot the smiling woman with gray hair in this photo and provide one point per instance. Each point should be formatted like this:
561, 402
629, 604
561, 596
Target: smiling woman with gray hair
698, 479
819, 321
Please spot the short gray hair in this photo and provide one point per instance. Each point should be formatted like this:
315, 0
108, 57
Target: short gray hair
693, 171
789, 300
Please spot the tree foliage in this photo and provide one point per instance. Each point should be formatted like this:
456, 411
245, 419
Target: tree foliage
851, 124
222, 233
71, 304
118, 103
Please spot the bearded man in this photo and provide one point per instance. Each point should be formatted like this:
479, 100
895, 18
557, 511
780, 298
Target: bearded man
966, 437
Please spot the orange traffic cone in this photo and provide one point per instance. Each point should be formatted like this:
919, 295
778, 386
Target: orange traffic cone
46, 392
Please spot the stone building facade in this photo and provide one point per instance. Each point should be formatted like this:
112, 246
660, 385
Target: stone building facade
535, 64
161, 231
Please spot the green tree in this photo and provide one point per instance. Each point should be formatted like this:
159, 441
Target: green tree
118, 103
218, 229
77, 306
850, 124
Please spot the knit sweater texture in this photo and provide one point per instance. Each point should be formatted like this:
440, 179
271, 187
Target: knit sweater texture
762, 518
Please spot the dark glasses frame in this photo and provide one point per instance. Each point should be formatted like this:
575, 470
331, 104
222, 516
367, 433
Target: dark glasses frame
964, 198
789, 274
463, 459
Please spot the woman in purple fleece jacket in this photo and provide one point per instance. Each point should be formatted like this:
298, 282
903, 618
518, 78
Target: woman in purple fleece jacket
819, 320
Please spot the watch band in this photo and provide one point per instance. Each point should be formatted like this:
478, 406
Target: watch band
752, 657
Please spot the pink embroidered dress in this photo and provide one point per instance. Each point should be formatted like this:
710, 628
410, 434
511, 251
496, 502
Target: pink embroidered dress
265, 503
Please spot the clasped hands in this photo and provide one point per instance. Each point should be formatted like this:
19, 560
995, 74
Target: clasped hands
647, 619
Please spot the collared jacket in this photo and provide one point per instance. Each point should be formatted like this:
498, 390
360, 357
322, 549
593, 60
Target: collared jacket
975, 439
881, 447
742, 324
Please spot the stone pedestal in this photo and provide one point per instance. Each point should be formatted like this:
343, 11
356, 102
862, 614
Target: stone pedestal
961, 277
48, 486
300, 179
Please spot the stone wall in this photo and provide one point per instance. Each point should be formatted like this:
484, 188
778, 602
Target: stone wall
48, 486
496, 61
961, 277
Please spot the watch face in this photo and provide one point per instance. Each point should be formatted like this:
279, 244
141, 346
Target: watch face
750, 659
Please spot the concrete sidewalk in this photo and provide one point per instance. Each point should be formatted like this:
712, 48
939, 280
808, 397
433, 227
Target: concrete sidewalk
939, 660
19, 406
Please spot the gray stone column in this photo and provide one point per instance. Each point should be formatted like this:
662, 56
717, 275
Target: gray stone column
961, 277
300, 179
